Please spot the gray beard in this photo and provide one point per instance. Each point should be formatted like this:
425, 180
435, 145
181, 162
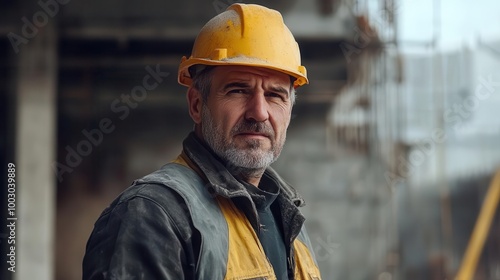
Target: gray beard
248, 162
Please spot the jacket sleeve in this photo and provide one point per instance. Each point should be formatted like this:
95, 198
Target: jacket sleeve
138, 239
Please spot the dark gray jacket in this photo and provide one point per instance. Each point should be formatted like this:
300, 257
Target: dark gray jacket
168, 225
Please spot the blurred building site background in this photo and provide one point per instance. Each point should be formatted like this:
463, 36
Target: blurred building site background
393, 144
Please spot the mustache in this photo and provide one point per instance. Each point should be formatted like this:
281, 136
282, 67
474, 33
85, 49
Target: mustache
247, 126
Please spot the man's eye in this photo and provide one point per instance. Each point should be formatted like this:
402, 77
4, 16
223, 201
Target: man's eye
237, 91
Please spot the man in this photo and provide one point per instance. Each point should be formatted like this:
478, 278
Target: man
218, 211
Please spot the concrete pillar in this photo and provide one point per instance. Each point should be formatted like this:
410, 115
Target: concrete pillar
35, 153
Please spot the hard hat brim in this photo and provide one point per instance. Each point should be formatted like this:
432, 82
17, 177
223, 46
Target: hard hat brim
184, 78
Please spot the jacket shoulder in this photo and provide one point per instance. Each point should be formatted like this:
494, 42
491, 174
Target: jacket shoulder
159, 185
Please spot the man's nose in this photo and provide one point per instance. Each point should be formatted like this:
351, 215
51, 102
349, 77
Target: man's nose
257, 108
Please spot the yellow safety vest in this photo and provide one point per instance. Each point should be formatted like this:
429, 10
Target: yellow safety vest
230, 248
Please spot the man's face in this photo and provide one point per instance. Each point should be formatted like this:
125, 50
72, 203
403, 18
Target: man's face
246, 115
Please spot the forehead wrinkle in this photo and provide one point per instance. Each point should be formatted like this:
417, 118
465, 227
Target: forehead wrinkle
274, 88
236, 84
270, 80
249, 74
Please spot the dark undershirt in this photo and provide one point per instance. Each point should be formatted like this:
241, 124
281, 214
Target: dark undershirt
270, 235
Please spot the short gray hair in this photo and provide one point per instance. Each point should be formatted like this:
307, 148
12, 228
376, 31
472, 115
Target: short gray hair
201, 76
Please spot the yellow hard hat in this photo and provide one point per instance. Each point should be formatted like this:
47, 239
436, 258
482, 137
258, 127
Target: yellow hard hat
248, 35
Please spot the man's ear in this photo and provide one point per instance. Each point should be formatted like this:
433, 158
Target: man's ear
194, 100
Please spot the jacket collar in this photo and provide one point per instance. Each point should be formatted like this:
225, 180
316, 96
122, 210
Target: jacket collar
221, 182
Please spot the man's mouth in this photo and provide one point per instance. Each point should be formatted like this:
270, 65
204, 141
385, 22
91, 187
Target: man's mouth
251, 134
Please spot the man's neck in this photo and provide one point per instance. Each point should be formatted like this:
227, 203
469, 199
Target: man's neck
250, 176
